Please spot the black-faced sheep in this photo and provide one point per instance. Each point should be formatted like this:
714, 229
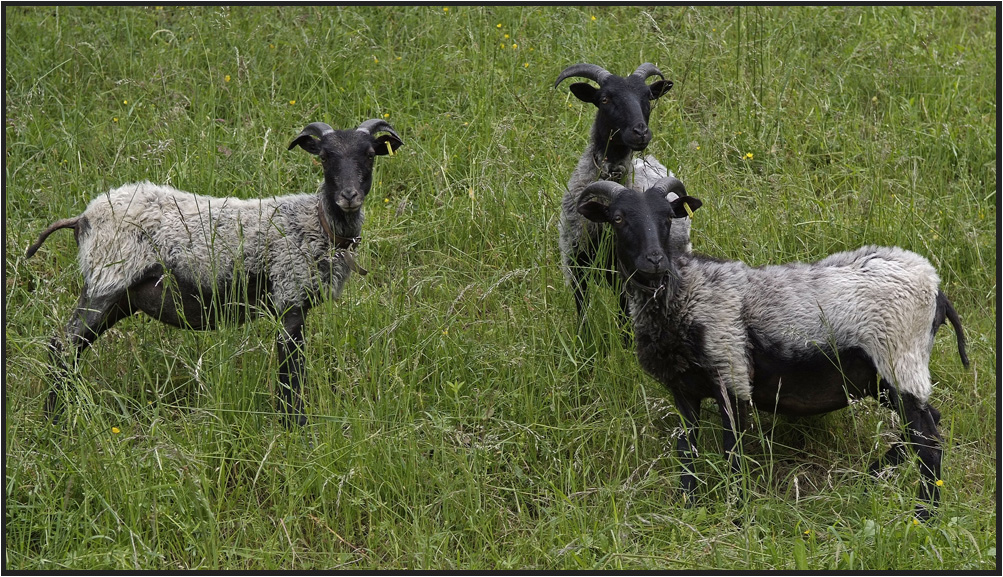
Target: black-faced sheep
620, 128
195, 261
795, 339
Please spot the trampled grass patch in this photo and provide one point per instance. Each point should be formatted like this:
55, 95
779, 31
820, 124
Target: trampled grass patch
458, 417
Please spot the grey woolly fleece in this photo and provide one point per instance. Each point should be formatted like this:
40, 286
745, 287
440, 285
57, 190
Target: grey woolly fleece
880, 299
209, 241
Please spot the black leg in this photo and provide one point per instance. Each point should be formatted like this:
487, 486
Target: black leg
92, 317
290, 350
686, 445
889, 397
729, 419
920, 422
581, 267
925, 440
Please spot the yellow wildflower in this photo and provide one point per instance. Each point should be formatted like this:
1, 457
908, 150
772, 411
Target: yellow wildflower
115, 430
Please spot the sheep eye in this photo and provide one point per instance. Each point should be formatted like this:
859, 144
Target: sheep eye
618, 219
605, 100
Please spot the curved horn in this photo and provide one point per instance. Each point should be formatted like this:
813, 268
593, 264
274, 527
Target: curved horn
590, 71
603, 189
378, 125
670, 184
318, 129
647, 70
306, 137
594, 201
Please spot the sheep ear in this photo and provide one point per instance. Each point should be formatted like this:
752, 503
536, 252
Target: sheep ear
307, 143
387, 144
594, 201
584, 91
659, 88
679, 205
594, 209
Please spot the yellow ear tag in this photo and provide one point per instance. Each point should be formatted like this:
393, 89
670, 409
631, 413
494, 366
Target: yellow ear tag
390, 149
689, 211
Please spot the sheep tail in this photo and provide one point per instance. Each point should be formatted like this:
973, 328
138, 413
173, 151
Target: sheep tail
946, 310
64, 223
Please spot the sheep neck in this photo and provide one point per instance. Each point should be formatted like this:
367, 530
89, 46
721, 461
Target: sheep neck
611, 160
342, 228
648, 300
662, 328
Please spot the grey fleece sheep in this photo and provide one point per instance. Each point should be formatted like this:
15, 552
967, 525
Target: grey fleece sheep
795, 339
195, 261
619, 130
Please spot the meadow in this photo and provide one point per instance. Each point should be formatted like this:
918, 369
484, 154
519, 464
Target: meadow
459, 418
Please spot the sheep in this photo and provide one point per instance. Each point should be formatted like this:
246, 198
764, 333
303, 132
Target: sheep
195, 261
620, 128
795, 339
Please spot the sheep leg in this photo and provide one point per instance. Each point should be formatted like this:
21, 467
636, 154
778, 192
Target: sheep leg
889, 397
686, 445
920, 421
921, 426
729, 419
290, 351
92, 317
579, 267
580, 294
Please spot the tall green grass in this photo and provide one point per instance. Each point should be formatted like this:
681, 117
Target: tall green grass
457, 420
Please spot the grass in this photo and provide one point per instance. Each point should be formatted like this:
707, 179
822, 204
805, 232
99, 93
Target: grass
457, 420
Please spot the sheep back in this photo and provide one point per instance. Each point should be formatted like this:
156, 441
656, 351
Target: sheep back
207, 241
880, 299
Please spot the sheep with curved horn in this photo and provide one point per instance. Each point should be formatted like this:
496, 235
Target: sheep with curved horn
196, 261
620, 128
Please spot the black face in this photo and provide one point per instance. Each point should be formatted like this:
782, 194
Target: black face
348, 167
641, 222
624, 105
347, 157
